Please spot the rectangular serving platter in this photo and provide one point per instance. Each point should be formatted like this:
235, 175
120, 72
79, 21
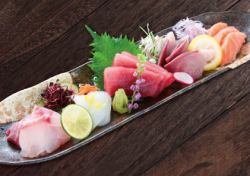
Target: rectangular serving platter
9, 154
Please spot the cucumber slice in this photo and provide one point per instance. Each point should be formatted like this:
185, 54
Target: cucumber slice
76, 121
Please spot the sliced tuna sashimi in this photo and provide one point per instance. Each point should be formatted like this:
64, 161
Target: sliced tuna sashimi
220, 36
231, 46
188, 62
216, 28
38, 134
130, 61
122, 77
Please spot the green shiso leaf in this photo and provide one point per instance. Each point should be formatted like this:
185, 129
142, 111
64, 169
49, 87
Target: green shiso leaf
104, 49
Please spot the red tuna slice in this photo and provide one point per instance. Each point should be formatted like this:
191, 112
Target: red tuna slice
129, 54
125, 60
130, 61
188, 62
167, 48
122, 77
179, 49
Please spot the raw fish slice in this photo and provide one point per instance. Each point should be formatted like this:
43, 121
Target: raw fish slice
118, 77
122, 77
38, 139
98, 104
38, 134
216, 28
171, 42
167, 48
220, 36
180, 48
163, 54
231, 46
130, 61
129, 54
13, 132
124, 60
188, 62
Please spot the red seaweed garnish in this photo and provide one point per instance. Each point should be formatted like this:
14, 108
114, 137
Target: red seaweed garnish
56, 97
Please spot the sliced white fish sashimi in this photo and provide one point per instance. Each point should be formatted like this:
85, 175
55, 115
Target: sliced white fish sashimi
98, 105
38, 134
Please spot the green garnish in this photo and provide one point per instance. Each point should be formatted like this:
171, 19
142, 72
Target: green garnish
120, 102
104, 49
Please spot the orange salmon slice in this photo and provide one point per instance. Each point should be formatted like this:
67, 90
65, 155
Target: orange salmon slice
220, 36
231, 46
216, 28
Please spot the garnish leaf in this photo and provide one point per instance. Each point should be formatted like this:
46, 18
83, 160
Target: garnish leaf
104, 49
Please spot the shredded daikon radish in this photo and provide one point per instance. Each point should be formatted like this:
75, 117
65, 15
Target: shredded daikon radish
188, 28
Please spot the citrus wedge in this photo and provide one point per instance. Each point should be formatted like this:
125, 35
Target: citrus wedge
76, 121
206, 42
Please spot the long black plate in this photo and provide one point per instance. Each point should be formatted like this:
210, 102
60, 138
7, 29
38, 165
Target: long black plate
9, 155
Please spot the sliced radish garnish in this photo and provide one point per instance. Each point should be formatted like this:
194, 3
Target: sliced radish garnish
183, 78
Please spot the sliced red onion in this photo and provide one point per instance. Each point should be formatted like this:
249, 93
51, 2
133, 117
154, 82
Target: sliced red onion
183, 78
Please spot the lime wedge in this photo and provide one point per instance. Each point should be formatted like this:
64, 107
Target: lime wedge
76, 121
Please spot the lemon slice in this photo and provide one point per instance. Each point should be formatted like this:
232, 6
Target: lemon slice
76, 121
206, 42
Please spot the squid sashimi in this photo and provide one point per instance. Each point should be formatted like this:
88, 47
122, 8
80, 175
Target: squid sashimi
38, 134
231, 46
98, 104
216, 28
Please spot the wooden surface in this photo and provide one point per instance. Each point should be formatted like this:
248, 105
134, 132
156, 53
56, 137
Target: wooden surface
204, 133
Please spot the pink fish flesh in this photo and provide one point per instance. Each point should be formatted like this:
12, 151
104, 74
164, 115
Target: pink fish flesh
38, 134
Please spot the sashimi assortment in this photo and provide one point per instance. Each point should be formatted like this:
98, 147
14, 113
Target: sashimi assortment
124, 74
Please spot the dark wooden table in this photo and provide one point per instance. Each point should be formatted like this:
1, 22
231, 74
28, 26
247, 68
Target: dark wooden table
205, 132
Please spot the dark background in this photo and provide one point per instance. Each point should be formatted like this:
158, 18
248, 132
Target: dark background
41, 38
